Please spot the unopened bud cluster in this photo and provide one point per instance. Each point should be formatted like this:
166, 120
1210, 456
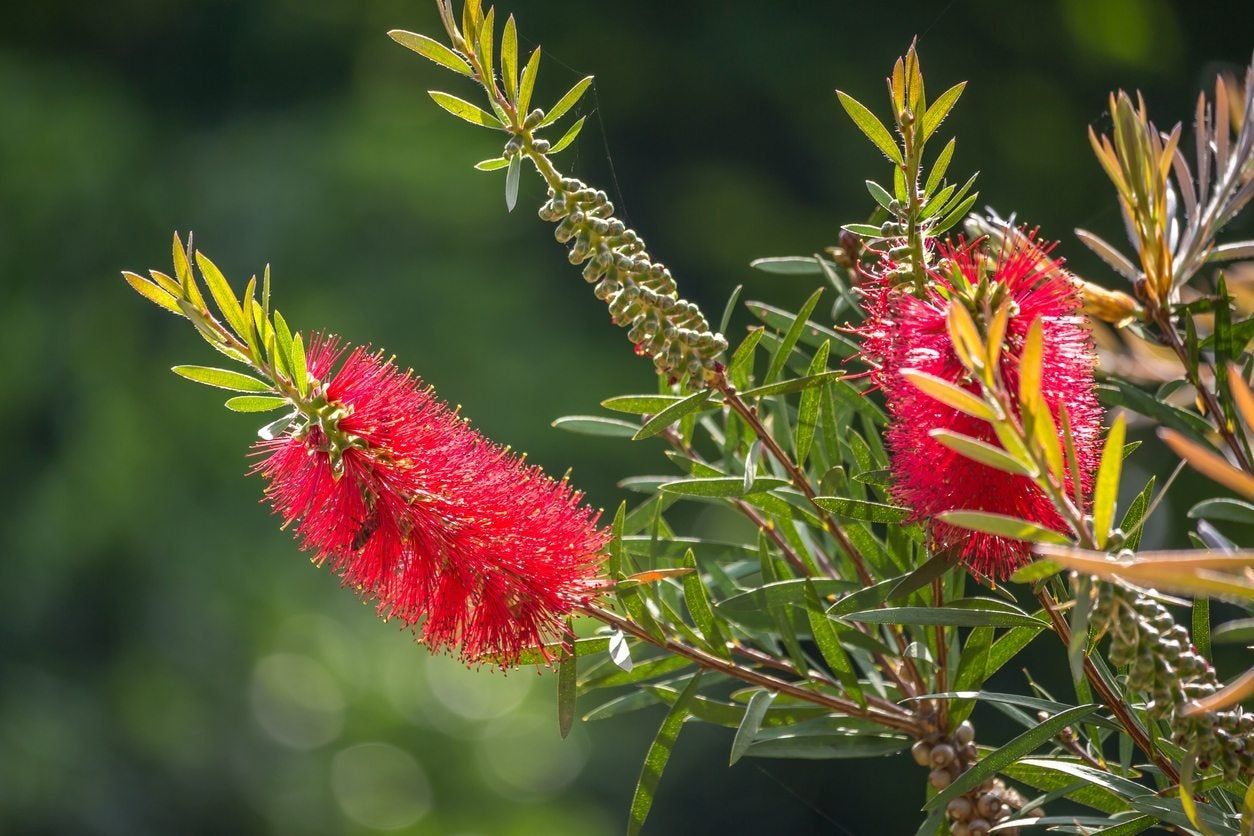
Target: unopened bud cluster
1164, 665
640, 292
976, 812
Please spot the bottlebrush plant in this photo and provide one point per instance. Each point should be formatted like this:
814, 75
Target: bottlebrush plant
927, 464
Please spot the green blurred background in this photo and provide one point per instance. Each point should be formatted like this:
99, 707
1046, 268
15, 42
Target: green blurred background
170, 663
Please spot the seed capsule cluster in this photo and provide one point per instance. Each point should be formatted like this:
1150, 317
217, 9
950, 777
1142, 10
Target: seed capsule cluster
976, 812
1165, 666
640, 292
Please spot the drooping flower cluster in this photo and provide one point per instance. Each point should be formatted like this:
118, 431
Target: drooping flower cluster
908, 331
446, 531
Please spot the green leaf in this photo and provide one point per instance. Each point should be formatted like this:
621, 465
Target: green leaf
567, 138
672, 413
509, 59
567, 679
1106, 486
939, 109
596, 425
528, 82
152, 293
1240, 631
865, 230
1201, 625
220, 289
511, 181
996, 761
545, 655
947, 393
1224, 508
640, 404
983, 452
283, 345
300, 367
945, 616
935, 567
565, 103
465, 110
750, 723
256, 403
1003, 526
741, 367
817, 742
790, 338
644, 671
222, 379
1040, 774
722, 486
812, 334
956, 215
808, 409
880, 195
871, 126
657, 756
1117, 392
729, 309
431, 50
617, 549
494, 164
787, 265
972, 670
824, 633
796, 384
940, 167
698, 602
858, 509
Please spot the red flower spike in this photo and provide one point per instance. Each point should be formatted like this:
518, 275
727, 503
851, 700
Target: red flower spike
904, 331
478, 552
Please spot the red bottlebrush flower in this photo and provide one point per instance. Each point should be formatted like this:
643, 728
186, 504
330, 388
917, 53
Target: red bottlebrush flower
446, 531
905, 331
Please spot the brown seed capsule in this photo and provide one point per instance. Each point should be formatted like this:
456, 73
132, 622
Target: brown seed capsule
960, 829
959, 809
922, 753
978, 827
965, 732
943, 754
940, 778
989, 805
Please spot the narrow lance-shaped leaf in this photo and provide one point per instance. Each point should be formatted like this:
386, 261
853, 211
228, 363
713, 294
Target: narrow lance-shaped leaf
1106, 487
153, 293
511, 181
940, 108
256, 403
871, 126
566, 102
672, 413
222, 378
949, 394
825, 636
657, 756
465, 110
220, 289
432, 50
983, 452
509, 58
570, 136
1022, 745
567, 675
808, 409
750, 723
1003, 526
528, 81
791, 336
